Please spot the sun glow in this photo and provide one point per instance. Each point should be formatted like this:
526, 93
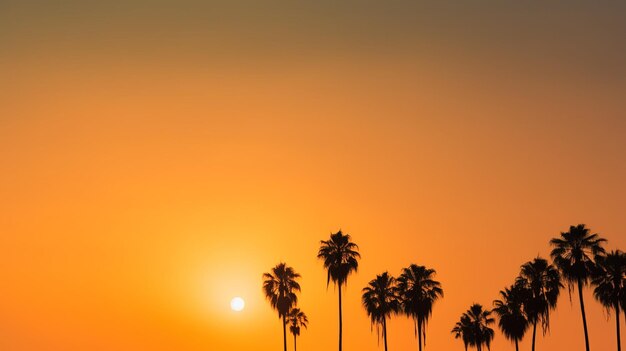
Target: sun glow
237, 304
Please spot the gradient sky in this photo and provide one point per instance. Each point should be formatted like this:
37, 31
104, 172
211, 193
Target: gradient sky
158, 156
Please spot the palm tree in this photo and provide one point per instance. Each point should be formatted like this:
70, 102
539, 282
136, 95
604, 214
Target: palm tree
609, 280
512, 319
380, 300
463, 329
474, 329
418, 292
340, 259
280, 288
573, 254
541, 283
297, 319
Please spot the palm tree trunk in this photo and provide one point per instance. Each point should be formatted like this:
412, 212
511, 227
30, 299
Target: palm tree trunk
516, 345
619, 341
419, 333
285, 331
582, 310
385, 332
294, 343
534, 335
339, 318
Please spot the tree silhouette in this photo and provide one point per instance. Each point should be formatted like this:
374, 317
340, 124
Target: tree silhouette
297, 320
418, 292
380, 300
473, 327
463, 329
340, 257
573, 254
512, 319
609, 279
280, 288
541, 284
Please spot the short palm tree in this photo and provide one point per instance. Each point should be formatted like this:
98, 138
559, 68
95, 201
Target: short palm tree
609, 280
297, 320
573, 254
340, 256
512, 319
380, 301
418, 292
463, 330
541, 284
280, 287
474, 329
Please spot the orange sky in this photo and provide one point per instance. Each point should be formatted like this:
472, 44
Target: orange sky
157, 158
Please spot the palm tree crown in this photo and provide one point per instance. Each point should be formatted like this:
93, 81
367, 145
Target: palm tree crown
573, 254
280, 287
512, 319
297, 320
463, 330
380, 300
418, 292
340, 257
574, 251
473, 327
542, 283
609, 279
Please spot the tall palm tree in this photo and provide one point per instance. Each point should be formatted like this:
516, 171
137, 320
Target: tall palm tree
380, 300
609, 280
297, 320
280, 287
418, 292
512, 319
541, 283
473, 327
573, 254
340, 256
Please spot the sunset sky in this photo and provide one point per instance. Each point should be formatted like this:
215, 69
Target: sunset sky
156, 157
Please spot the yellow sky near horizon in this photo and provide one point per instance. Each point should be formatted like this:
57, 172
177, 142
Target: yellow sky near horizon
156, 160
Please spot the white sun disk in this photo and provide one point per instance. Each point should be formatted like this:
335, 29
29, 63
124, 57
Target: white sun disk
237, 304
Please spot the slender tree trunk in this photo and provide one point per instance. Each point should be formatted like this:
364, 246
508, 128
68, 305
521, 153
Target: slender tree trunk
534, 335
619, 341
285, 331
294, 343
385, 332
419, 334
340, 325
516, 345
582, 310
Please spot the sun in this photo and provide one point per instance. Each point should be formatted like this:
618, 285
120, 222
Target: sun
237, 304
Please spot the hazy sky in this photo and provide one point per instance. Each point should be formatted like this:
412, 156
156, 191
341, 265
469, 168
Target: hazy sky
157, 157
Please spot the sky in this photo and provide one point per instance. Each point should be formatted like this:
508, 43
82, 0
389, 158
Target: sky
157, 157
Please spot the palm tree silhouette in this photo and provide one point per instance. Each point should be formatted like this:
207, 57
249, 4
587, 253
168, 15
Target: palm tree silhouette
463, 329
380, 300
297, 319
280, 288
474, 329
510, 310
573, 254
340, 259
609, 280
418, 292
541, 284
